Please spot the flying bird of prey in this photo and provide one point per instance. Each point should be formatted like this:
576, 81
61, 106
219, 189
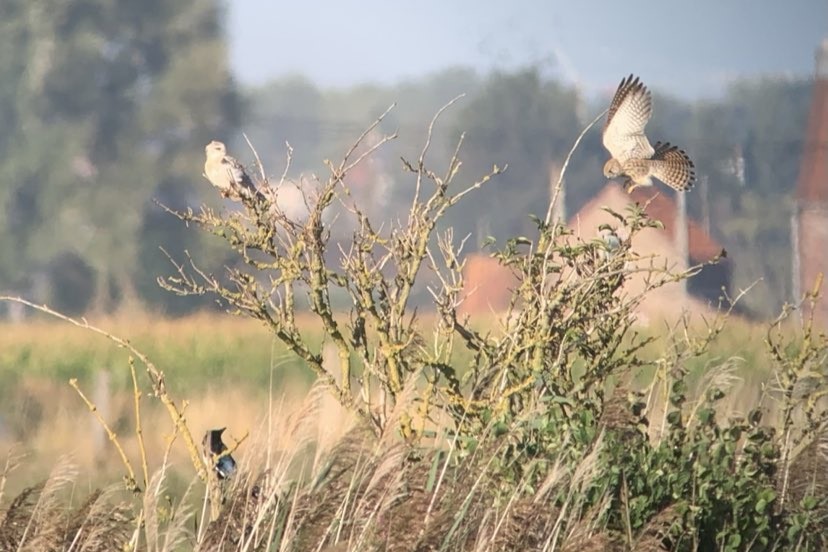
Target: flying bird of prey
227, 174
633, 158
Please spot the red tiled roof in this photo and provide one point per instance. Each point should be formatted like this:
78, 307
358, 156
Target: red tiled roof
488, 285
702, 247
813, 170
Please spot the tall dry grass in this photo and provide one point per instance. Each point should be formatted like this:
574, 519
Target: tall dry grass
311, 478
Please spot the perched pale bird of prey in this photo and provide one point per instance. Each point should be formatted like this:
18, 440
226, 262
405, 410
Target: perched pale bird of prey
226, 173
633, 158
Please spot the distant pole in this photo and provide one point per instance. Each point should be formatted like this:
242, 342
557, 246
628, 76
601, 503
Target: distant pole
681, 236
101, 395
796, 263
559, 209
705, 199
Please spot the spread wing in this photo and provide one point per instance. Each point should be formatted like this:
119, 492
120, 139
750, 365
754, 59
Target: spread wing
631, 108
673, 167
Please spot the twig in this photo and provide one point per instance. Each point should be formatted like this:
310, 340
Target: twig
139, 432
155, 375
288, 161
359, 140
258, 159
566, 164
132, 484
12, 462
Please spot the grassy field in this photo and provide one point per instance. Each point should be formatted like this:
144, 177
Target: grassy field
224, 367
227, 371
198, 351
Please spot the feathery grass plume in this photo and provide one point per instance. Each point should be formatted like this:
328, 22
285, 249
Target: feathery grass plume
14, 458
574, 505
329, 493
233, 527
101, 524
600, 542
525, 526
17, 517
34, 522
384, 487
718, 379
655, 536
166, 524
45, 527
257, 503
79, 522
375, 484
587, 524
151, 507
302, 435
472, 486
237, 527
247, 515
402, 526
178, 521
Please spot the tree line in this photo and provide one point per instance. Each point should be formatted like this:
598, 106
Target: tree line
107, 106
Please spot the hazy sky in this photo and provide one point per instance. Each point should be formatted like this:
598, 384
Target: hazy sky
690, 48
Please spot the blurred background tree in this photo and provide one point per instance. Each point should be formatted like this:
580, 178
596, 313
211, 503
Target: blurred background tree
748, 147
523, 121
104, 104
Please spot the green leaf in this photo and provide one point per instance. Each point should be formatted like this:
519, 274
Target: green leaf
674, 418
500, 428
809, 502
705, 415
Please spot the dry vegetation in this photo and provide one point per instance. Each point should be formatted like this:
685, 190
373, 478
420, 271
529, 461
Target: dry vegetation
557, 427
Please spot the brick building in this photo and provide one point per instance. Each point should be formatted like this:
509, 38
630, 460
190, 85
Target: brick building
810, 219
682, 242
679, 245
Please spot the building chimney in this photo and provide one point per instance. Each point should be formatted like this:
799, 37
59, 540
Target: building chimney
810, 219
822, 61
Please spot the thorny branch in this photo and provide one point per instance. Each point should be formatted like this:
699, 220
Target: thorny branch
568, 305
281, 257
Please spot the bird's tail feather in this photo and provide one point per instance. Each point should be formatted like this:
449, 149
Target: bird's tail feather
672, 166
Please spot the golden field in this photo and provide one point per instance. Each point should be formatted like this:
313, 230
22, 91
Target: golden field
228, 370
